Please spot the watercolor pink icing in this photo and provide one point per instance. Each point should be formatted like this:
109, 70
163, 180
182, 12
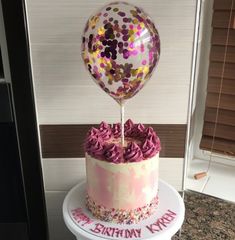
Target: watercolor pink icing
122, 186
100, 141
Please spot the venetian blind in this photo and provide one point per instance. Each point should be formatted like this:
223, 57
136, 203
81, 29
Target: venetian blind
219, 120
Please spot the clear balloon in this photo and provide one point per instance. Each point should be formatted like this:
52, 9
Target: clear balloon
120, 49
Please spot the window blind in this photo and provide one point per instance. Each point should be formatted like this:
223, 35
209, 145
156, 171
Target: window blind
218, 133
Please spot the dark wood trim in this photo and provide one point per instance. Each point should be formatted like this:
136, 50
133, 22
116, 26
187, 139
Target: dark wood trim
17, 48
66, 141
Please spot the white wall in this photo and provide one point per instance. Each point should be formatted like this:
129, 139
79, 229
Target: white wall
62, 82
65, 93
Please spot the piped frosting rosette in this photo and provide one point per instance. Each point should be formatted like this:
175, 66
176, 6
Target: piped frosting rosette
104, 143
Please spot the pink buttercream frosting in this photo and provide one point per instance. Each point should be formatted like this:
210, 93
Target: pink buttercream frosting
105, 131
137, 130
133, 153
93, 132
128, 127
116, 129
94, 146
104, 143
113, 153
149, 149
149, 131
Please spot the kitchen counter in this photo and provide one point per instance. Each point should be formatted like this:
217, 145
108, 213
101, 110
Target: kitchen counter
207, 218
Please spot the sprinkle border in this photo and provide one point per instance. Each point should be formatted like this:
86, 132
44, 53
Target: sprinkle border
121, 216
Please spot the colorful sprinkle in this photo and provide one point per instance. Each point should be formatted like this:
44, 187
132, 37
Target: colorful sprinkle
122, 216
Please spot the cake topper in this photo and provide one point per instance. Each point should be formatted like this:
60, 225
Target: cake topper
120, 49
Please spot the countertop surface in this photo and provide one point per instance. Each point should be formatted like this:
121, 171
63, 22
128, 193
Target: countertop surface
207, 218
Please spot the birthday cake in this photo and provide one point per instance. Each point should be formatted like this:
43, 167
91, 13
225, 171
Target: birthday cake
122, 182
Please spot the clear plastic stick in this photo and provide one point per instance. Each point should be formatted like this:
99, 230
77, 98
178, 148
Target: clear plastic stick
122, 123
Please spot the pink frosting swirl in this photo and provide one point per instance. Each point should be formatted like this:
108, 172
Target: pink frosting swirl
149, 131
93, 132
148, 149
95, 146
133, 153
128, 127
113, 153
153, 138
138, 130
116, 130
102, 143
105, 131
158, 144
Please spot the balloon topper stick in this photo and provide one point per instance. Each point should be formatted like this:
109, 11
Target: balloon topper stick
120, 49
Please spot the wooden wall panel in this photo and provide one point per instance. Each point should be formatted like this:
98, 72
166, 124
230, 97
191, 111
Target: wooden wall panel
66, 141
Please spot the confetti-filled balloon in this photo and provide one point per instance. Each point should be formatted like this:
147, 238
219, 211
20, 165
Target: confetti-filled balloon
120, 48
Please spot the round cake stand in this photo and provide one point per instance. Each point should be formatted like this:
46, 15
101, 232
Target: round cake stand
160, 226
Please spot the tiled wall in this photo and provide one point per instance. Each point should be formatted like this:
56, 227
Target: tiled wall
65, 93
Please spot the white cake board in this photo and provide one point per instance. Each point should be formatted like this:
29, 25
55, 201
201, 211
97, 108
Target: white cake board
160, 226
